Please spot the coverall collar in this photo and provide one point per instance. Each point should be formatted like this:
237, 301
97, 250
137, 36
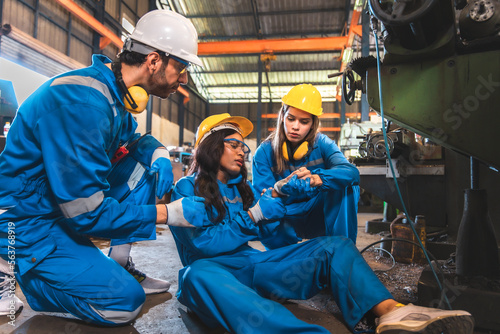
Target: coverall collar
234, 180
99, 63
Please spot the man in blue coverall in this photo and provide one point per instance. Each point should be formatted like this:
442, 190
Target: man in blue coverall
64, 176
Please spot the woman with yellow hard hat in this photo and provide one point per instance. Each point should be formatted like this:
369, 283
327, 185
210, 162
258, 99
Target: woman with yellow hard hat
297, 150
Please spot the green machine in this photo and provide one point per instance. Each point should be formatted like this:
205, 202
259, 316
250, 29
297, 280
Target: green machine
435, 81
453, 100
440, 78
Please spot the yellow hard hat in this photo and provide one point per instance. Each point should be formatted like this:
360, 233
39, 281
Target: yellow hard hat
244, 126
304, 97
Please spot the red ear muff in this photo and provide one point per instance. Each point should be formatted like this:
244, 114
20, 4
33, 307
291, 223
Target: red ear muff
298, 153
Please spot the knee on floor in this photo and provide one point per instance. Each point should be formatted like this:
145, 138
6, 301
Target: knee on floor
126, 309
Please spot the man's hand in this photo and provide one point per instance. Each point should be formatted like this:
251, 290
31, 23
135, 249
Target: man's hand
186, 212
268, 208
163, 168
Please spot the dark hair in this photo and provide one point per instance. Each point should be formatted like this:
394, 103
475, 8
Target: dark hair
206, 163
132, 58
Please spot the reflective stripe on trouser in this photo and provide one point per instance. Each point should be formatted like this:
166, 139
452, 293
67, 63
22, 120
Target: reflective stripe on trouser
233, 291
330, 213
130, 183
78, 278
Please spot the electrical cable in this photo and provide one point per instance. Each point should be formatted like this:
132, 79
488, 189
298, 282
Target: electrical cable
410, 242
392, 257
384, 131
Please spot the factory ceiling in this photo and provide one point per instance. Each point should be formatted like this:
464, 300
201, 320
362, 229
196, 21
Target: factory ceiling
279, 43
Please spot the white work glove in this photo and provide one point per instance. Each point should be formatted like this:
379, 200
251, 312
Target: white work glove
268, 208
186, 212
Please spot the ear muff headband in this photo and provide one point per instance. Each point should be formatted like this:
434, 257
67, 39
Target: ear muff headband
298, 153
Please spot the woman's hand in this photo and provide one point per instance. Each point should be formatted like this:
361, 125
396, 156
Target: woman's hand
304, 173
274, 193
316, 180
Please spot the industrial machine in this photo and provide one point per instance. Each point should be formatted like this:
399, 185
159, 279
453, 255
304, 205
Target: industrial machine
440, 79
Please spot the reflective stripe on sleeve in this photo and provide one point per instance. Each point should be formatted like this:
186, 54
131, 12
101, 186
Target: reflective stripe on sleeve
82, 205
308, 164
87, 82
312, 163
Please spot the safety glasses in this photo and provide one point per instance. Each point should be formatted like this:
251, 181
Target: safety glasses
235, 145
184, 65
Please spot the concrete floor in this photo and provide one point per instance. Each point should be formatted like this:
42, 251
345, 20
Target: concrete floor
162, 313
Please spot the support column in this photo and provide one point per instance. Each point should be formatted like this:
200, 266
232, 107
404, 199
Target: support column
258, 130
149, 114
1, 23
96, 40
342, 111
180, 119
152, 5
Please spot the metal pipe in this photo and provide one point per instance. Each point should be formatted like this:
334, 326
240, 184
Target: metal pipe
365, 52
474, 173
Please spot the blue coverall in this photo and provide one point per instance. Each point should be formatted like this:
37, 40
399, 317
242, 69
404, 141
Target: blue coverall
57, 185
226, 282
330, 211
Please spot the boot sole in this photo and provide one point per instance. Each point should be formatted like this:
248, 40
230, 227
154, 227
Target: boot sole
446, 325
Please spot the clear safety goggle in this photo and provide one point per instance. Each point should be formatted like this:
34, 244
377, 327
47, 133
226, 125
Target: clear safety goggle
236, 144
186, 64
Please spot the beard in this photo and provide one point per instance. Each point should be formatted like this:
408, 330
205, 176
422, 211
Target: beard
159, 86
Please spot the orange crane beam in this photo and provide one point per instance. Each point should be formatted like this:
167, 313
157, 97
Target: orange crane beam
325, 129
326, 115
272, 45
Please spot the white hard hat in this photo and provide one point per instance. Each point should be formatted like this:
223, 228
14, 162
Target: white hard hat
165, 31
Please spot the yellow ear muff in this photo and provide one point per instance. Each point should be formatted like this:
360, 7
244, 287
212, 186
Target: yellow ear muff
141, 98
299, 152
284, 148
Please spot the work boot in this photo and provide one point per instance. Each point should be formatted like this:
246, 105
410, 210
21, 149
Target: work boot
150, 285
9, 303
418, 319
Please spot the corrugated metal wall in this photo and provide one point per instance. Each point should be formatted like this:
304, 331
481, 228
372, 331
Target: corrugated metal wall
52, 25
